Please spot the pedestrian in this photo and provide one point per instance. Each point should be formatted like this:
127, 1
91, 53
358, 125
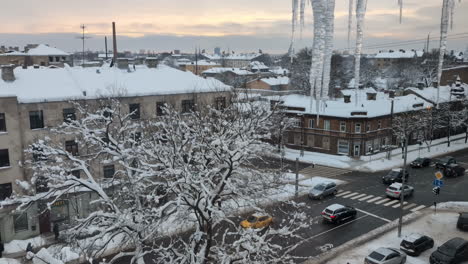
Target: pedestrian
29, 248
313, 164
2, 248
56, 231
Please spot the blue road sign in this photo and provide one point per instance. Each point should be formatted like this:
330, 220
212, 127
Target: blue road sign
438, 183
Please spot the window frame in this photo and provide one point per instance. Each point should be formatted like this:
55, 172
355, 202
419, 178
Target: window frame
106, 169
4, 153
18, 219
311, 123
71, 146
159, 108
339, 146
188, 105
379, 124
356, 130
342, 126
69, 114
134, 114
326, 125
3, 127
220, 103
36, 119
6, 189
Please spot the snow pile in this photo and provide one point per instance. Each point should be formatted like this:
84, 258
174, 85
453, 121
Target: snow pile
441, 227
44, 50
458, 206
44, 257
9, 261
276, 80
15, 246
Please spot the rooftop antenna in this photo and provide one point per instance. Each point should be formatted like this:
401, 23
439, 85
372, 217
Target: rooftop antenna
83, 37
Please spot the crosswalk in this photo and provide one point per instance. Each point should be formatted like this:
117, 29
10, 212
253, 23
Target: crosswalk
379, 200
322, 171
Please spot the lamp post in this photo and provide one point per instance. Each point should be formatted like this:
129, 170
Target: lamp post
403, 184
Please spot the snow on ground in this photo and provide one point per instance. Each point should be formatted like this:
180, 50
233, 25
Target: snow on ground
303, 181
20, 245
9, 261
378, 161
440, 226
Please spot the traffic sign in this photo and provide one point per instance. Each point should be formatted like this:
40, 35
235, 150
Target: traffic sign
438, 183
439, 175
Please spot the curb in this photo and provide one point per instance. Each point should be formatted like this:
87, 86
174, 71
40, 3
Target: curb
326, 256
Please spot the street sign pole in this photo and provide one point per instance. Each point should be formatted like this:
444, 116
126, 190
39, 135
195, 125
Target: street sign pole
297, 177
402, 197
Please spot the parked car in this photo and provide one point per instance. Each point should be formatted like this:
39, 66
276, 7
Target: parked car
323, 189
444, 162
395, 175
415, 244
453, 170
385, 255
420, 163
257, 221
395, 190
453, 251
337, 213
462, 222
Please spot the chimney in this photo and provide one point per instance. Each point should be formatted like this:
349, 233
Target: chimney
122, 63
151, 62
8, 75
420, 85
114, 35
347, 98
371, 96
391, 94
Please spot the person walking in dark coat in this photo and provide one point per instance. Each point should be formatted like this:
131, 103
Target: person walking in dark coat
2, 248
56, 231
29, 248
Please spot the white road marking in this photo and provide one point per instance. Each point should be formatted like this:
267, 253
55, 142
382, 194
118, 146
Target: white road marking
359, 196
366, 198
329, 230
349, 195
374, 199
398, 204
382, 201
418, 208
343, 193
373, 215
409, 206
391, 202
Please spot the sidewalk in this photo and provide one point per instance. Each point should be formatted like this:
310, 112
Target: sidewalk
378, 161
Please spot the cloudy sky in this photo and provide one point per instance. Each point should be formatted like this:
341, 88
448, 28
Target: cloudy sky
241, 25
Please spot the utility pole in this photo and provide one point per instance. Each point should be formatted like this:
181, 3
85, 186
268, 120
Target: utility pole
427, 42
83, 37
403, 184
196, 61
105, 46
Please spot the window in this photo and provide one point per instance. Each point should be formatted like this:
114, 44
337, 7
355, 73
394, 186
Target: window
357, 128
220, 103
311, 123
160, 108
69, 114
297, 122
343, 147
134, 110
51, 59
72, 147
342, 126
5, 191
107, 112
4, 158
326, 125
36, 119
20, 222
379, 125
326, 143
57, 59
187, 106
109, 171
2, 123
368, 126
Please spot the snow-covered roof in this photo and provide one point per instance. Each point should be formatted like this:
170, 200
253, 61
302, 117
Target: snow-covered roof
234, 56
44, 50
276, 80
279, 70
13, 53
44, 84
237, 71
257, 65
200, 62
400, 54
381, 106
430, 93
103, 55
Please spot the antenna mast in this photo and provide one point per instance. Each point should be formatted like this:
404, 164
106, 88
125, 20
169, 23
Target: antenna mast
83, 37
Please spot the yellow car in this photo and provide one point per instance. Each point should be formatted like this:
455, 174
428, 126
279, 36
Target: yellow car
254, 221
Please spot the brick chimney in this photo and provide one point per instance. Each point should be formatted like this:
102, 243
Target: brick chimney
347, 98
371, 96
152, 62
8, 75
391, 94
122, 63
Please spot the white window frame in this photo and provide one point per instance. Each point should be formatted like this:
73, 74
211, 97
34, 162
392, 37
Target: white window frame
356, 126
379, 124
326, 125
342, 126
297, 122
311, 123
342, 142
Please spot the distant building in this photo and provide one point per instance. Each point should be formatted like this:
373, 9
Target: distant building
36, 54
258, 67
385, 59
234, 77
196, 67
233, 60
217, 51
270, 83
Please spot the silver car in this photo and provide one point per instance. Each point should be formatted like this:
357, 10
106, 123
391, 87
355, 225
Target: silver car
323, 189
386, 256
395, 191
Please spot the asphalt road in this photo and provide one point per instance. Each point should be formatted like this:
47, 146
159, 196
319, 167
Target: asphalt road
365, 192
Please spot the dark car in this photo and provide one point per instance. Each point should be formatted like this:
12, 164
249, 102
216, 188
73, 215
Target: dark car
453, 251
462, 223
415, 244
420, 163
444, 162
453, 170
337, 213
395, 175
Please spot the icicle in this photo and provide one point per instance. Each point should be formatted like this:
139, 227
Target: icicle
360, 13
329, 30
301, 16
350, 21
452, 12
295, 5
318, 49
400, 3
443, 42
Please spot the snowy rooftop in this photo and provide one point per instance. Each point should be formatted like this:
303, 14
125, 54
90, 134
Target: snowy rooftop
430, 93
13, 53
279, 70
44, 84
200, 62
362, 108
276, 80
401, 54
257, 65
234, 56
44, 50
237, 71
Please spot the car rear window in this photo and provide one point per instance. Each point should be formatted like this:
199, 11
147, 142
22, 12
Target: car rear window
328, 211
393, 188
376, 256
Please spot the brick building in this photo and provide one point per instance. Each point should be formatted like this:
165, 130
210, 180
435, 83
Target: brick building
41, 55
